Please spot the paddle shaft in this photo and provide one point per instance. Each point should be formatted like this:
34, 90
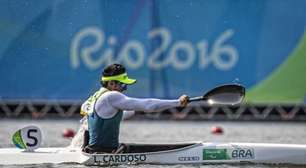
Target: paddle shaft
198, 98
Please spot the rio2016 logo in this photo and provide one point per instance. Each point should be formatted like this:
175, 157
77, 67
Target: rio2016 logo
181, 54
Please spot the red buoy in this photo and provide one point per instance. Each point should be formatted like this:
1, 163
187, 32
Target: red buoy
68, 133
216, 130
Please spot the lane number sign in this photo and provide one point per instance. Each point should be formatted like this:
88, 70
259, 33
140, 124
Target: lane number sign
28, 138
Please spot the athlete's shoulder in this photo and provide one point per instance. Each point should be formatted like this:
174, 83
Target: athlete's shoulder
113, 92
114, 95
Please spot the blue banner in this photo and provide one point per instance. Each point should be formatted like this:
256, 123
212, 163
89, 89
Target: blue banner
58, 49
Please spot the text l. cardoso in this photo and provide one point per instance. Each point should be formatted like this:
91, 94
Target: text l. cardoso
222, 56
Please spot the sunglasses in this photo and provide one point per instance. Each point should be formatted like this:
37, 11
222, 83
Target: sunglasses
123, 86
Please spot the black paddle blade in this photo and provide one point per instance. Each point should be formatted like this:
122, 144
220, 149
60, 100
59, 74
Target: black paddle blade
230, 94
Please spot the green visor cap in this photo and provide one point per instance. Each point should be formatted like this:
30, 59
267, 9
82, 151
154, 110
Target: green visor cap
123, 78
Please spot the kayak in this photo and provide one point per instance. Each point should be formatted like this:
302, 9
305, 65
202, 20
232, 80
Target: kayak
177, 153
29, 139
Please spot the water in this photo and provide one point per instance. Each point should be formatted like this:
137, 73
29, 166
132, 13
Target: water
167, 131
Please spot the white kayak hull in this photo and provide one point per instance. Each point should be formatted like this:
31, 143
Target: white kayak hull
14, 156
196, 153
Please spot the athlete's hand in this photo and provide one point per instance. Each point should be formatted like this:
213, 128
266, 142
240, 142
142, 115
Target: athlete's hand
184, 100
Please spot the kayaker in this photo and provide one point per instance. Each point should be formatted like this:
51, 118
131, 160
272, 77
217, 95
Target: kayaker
105, 109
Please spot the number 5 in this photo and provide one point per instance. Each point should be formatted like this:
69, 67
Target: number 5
32, 137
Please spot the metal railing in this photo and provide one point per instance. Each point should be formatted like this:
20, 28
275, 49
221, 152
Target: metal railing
14, 109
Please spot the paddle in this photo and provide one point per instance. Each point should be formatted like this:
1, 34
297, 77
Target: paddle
229, 94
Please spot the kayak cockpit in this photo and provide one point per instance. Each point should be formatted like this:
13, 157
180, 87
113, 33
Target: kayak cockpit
145, 148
